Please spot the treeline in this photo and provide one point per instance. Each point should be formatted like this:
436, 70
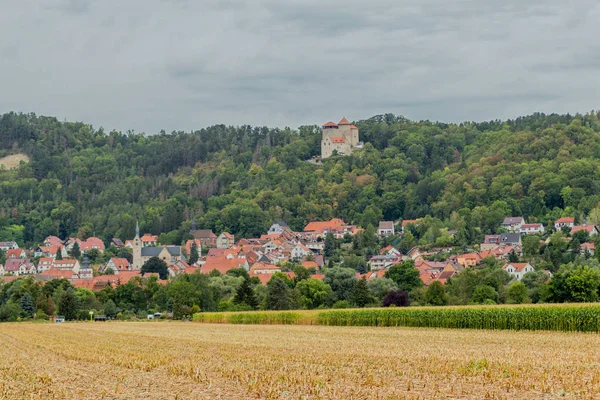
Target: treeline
83, 181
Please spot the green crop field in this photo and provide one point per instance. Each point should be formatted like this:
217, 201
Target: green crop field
564, 317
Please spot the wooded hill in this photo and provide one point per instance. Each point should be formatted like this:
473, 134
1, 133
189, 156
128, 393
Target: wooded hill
83, 181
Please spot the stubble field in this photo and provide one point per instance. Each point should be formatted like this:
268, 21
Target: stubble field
173, 360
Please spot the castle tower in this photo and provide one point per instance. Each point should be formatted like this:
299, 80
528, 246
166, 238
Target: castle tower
137, 249
341, 137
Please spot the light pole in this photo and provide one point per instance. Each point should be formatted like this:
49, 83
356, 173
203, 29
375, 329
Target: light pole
91, 313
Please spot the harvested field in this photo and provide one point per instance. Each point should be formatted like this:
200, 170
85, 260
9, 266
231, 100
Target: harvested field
171, 360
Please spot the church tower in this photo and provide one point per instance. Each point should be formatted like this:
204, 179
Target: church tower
137, 249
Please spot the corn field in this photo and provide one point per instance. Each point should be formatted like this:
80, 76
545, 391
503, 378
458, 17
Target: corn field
177, 360
565, 318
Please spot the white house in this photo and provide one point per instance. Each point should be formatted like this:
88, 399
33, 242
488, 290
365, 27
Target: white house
517, 270
5, 246
225, 240
532, 229
513, 224
564, 221
300, 251
382, 262
278, 227
386, 228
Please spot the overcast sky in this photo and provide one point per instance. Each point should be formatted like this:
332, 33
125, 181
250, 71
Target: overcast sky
149, 65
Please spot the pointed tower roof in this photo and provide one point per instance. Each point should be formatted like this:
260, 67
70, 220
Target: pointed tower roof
344, 121
137, 229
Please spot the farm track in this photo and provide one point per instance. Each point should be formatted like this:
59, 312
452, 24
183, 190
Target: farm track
205, 361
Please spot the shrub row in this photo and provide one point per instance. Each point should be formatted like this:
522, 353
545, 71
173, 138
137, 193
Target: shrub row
567, 318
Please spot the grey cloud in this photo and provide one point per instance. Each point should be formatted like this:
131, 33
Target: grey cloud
181, 64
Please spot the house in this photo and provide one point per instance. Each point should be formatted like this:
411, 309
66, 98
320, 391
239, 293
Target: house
117, 242
469, 260
504, 239
5, 246
341, 138
50, 251
386, 228
407, 222
382, 261
66, 265
91, 243
149, 240
16, 253
390, 251
206, 237
587, 248
116, 264
264, 268
188, 247
18, 267
44, 264
180, 267
564, 221
513, 224
531, 229
52, 241
223, 264
592, 230
278, 228
517, 270
225, 240
300, 251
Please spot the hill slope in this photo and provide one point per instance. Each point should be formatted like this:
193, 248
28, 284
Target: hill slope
84, 180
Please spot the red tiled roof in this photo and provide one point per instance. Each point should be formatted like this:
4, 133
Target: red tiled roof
330, 123
149, 238
344, 121
121, 263
319, 227
221, 264
338, 139
353, 127
517, 266
409, 221
565, 220
587, 228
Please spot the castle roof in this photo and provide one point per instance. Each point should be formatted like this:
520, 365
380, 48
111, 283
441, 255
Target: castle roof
344, 121
353, 127
330, 123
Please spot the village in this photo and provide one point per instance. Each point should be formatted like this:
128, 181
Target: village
268, 254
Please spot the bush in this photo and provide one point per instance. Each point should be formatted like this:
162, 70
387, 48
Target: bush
341, 304
41, 315
396, 297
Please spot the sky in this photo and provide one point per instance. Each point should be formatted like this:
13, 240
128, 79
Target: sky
147, 65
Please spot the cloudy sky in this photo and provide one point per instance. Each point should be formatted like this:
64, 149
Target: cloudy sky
185, 64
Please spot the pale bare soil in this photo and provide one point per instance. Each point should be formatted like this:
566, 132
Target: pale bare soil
12, 161
201, 361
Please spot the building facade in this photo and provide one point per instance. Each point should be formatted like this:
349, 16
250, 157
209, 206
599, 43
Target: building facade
341, 138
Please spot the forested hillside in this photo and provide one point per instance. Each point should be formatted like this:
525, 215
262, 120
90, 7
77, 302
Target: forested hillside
84, 181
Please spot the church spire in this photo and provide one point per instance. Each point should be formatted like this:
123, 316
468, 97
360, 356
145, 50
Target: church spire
193, 224
137, 229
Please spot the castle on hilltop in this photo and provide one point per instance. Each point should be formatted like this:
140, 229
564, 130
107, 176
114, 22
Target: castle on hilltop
341, 137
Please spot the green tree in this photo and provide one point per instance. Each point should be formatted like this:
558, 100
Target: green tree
278, 295
341, 281
68, 305
155, 264
380, 287
59, 254
193, 254
517, 293
110, 309
483, 293
531, 245
405, 275
314, 293
75, 251
329, 245
245, 295
583, 283
27, 305
360, 293
436, 295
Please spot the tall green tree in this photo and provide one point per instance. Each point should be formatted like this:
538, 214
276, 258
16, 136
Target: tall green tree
405, 275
